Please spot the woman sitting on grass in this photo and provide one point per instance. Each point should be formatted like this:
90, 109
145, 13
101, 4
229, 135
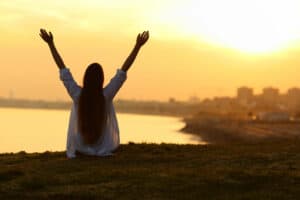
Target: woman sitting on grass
93, 127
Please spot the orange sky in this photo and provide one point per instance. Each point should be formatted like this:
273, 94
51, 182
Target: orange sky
197, 47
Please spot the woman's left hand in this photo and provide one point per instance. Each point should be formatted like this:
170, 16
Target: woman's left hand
47, 37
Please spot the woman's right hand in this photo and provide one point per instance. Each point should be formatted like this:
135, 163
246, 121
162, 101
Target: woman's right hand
47, 37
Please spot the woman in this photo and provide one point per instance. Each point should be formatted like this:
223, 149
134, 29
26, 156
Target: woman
93, 127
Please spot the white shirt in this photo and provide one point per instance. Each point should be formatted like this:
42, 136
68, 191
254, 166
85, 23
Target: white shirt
110, 140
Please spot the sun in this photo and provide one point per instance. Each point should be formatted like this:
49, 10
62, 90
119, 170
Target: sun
254, 26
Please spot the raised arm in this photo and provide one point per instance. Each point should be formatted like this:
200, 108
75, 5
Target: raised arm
48, 38
141, 39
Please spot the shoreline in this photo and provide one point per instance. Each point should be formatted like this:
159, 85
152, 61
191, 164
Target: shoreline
177, 109
234, 131
68, 109
163, 114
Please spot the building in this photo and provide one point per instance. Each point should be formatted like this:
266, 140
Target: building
245, 95
294, 93
293, 99
271, 95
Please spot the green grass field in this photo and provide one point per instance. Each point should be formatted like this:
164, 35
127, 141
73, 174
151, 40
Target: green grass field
146, 171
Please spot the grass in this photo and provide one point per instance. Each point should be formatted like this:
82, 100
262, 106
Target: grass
148, 171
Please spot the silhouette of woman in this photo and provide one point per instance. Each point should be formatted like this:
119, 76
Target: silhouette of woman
93, 127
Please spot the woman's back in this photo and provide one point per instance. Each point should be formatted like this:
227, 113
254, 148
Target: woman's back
110, 139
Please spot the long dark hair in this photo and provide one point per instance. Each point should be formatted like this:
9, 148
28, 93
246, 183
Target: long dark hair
91, 108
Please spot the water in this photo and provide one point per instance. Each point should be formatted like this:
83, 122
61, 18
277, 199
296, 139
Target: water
34, 130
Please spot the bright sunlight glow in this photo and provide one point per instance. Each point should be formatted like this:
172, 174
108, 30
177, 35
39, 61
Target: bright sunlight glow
254, 26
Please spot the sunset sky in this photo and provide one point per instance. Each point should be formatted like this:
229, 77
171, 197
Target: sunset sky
201, 48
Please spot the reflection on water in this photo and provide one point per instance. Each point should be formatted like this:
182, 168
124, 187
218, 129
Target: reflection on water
40, 130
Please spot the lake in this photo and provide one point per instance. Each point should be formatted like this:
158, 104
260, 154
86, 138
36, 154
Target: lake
40, 130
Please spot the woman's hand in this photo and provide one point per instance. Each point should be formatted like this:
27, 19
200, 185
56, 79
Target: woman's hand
47, 37
142, 38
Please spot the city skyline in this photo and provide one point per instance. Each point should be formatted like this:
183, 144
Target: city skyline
240, 92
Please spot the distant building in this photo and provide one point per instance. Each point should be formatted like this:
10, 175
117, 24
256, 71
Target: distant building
245, 95
293, 98
294, 93
270, 95
223, 104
